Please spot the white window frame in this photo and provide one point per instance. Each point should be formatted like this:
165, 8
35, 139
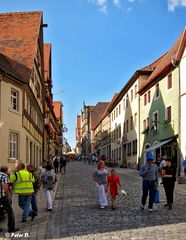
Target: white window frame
14, 98
13, 145
157, 97
166, 115
169, 89
153, 114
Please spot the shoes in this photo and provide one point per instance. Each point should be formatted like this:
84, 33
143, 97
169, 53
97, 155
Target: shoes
33, 216
166, 205
113, 207
24, 220
102, 207
150, 210
170, 206
13, 230
142, 207
49, 210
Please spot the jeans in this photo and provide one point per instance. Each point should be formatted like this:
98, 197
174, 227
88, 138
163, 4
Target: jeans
148, 187
4, 201
24, 203
34, 203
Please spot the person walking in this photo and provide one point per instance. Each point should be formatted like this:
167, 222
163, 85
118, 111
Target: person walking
113, 182
48, 178
36, 186
149, 173
4, 199
63, 163
56, 164
169, 178
100, 177
23, 186
184, 167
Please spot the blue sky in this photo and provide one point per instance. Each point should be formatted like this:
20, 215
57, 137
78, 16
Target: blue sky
97, 45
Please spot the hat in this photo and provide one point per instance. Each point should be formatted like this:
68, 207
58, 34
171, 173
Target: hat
150, 156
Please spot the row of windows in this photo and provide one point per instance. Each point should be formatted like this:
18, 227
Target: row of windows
155, 121
117, 111
33, 113
130, 124
131, 150
147, 96
33, 152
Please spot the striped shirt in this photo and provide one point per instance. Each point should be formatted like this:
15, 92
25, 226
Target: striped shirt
3, 180
152, 173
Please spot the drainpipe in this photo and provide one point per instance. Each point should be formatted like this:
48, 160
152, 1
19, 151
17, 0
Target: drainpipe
139, 158
179, 126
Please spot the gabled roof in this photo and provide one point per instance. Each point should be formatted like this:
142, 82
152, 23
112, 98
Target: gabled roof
147, 70
58, 109
169, 60
47, 61
18, 41
97, 112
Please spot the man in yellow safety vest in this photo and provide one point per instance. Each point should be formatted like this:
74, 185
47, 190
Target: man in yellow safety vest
23, 186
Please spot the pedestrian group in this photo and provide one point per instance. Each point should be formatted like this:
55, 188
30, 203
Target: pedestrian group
26, 181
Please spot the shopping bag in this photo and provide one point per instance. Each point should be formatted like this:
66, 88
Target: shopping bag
157, 196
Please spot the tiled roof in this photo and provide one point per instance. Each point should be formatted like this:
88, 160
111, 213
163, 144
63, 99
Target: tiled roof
47, 62
58, 109
168, 61
18, 40
97, 112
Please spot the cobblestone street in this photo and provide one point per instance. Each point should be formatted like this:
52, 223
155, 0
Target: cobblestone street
76, 214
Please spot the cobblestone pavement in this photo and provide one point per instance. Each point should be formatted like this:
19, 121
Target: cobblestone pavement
76, 213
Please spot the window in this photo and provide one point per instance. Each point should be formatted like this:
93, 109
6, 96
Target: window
127, 101
119, 131
155, 120
135, 90
169, 81
169, 114
135, 119
157, 91
116, 112
13, 141
144, 124
148, 96
129, 149
124, 130
131, 95
134, 147
119, 109
127, 126
145, 99
124, 104
14, 100
131, 122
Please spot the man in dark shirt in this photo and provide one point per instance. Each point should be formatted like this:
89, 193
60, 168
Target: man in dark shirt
169, 178
149, 173
4, 200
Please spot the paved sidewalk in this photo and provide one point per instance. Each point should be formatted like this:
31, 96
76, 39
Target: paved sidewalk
76, 214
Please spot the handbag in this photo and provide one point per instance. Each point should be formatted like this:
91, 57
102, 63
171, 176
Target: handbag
157, 196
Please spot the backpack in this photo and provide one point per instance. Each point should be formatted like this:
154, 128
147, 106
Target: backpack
49, 181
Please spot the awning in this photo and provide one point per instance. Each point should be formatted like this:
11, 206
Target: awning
157, 145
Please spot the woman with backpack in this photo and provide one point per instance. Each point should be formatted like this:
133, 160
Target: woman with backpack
48, 178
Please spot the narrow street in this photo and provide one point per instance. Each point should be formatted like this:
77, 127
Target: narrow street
76, 214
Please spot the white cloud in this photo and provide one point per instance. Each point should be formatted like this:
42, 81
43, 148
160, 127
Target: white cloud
172, 4
117, 3
102, 5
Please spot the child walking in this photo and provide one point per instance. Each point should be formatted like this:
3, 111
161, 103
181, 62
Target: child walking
113, 182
